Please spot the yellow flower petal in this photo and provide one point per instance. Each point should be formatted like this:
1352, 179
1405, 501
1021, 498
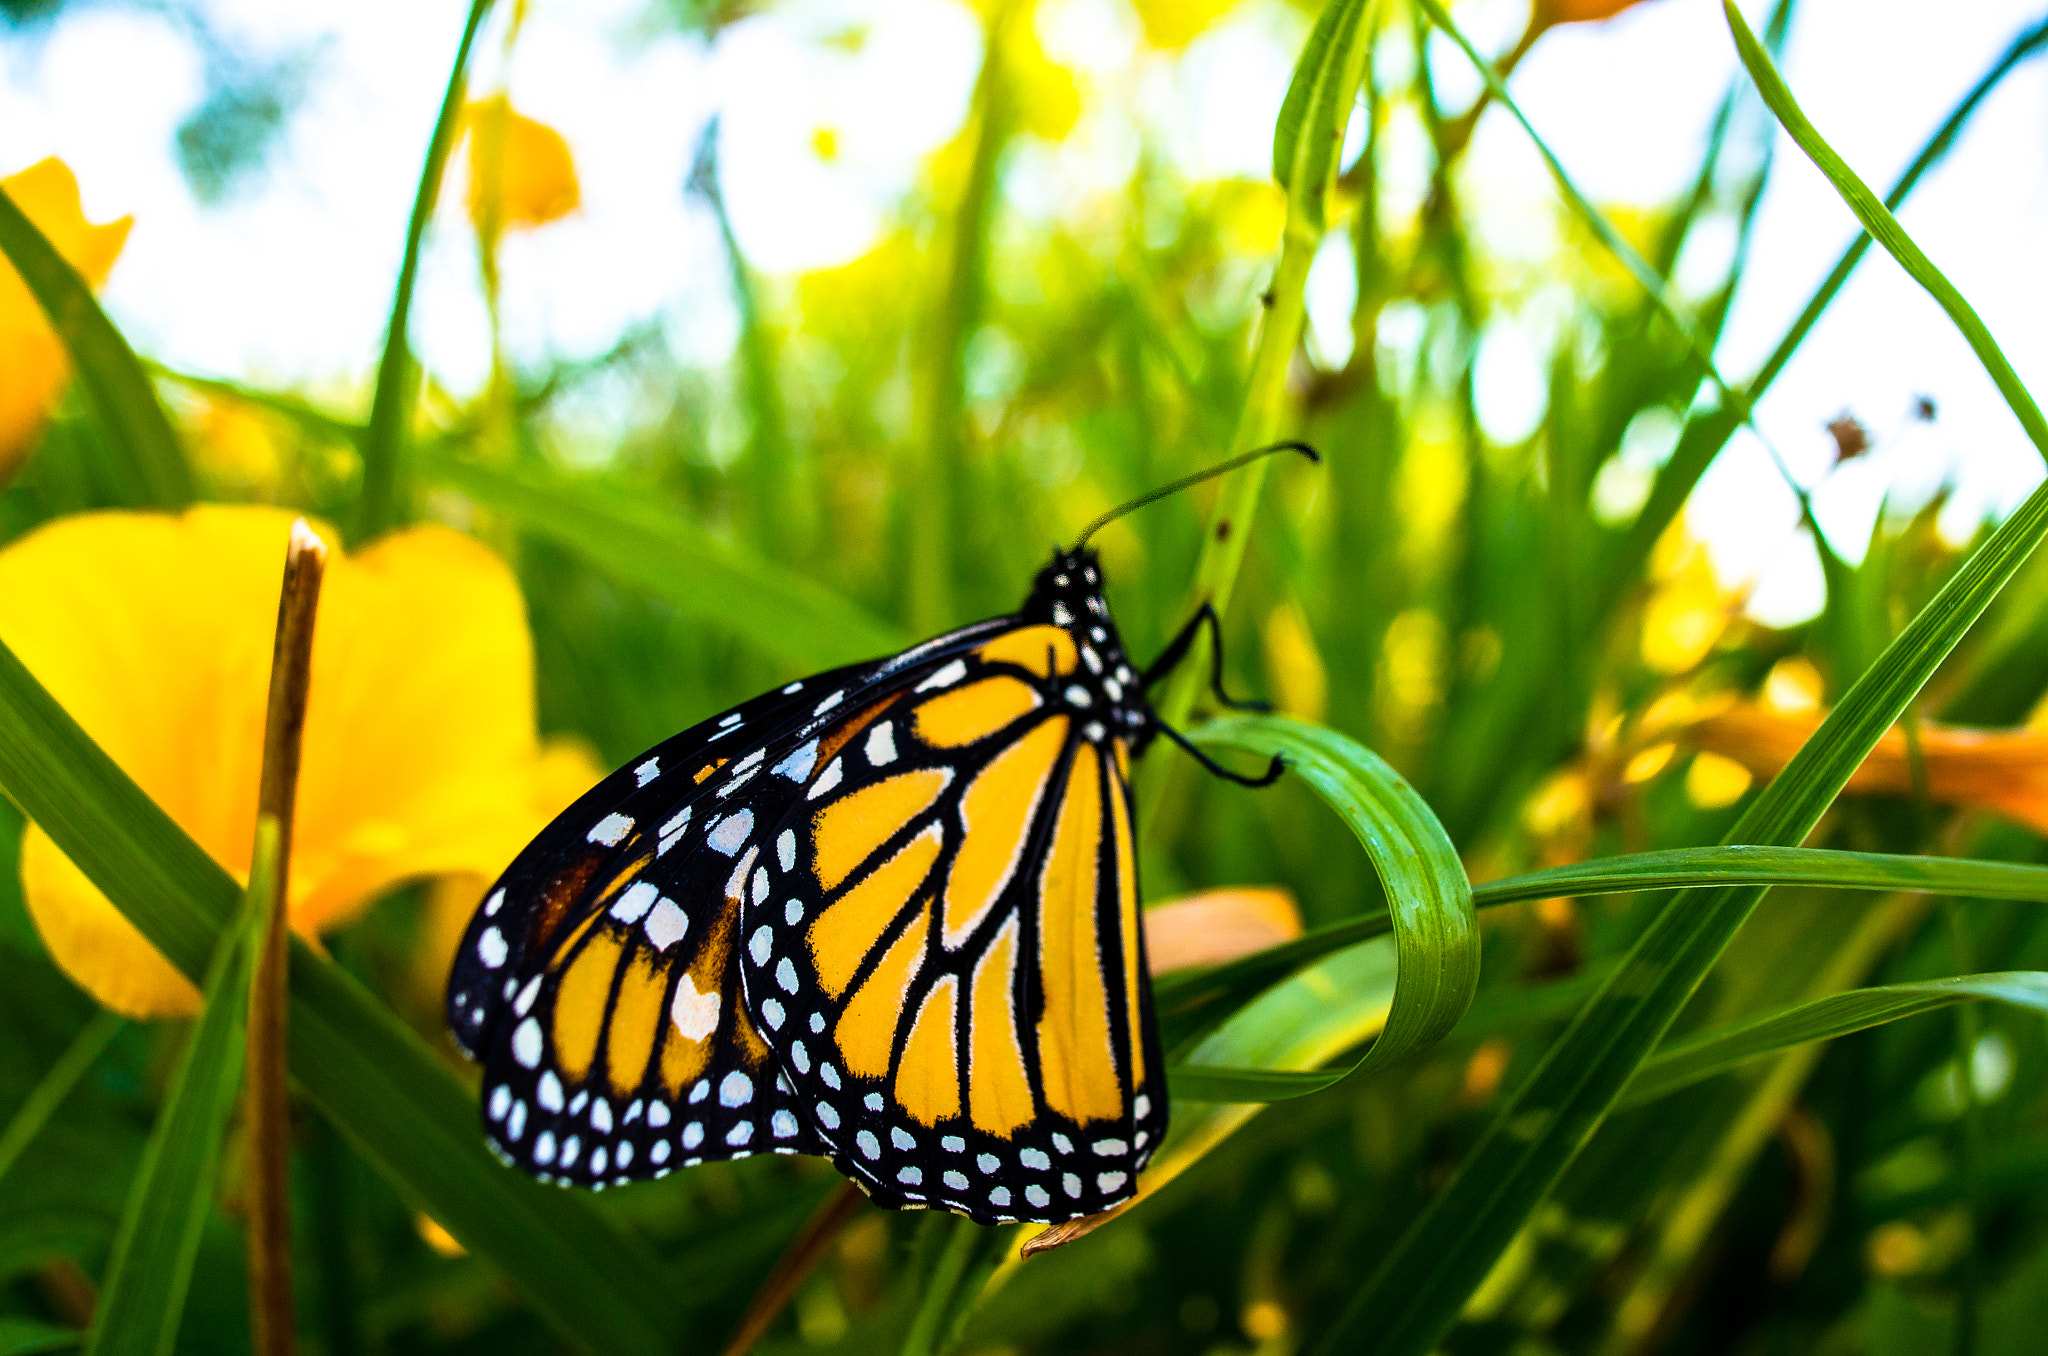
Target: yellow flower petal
2005, 771
520, 171
1218, 925
1173, 24
155, 632
32, 360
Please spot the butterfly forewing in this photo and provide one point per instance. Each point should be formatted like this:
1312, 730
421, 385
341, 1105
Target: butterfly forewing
949, 959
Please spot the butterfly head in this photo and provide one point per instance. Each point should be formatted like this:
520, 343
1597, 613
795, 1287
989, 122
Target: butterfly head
1106, 691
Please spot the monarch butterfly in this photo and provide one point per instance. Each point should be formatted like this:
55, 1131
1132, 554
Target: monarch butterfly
886, 914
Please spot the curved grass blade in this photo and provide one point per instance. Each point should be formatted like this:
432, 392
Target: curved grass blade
1416, 1294
397, 372
779, 611
1884, 227
1310, 130
1191, 998
42, 1102
366, 1069
1707, 430
143, 1300
137, 427
1716, 1052
26, 1337
1436, 932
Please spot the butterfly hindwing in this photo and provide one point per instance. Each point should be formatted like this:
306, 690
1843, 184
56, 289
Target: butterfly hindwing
599, 983
949, 959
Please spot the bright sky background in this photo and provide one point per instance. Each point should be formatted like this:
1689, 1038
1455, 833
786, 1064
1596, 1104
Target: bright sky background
291, 283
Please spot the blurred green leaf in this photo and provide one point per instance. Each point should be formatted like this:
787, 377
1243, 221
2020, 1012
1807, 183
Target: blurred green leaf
382, 504
1310, 131
22, 1337
1411, 1301
34, 1113
366, 1069
1885, 229
1436, 933
1193, 995
143, 1298
781, 612
138, 431
1720, 1050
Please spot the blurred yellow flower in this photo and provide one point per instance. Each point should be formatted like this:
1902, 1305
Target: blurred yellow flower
1301, 682
1173, 24
33, 365
2004, 771
1549, 12
154, 631
1689, 610
1046, 95
520, 171
1218, 925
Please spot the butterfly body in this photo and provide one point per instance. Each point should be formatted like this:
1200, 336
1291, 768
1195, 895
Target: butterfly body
887, 914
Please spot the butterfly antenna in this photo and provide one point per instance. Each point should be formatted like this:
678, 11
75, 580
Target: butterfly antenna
1176, 486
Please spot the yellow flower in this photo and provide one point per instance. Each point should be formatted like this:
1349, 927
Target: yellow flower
32, 361
154, 631
1217, 926
520, 171
1173, 24
2004, 771
1550, 12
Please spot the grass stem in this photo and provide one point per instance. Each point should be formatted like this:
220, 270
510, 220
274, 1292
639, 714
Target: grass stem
269, 1112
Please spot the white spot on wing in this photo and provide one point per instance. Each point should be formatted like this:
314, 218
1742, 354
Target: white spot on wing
666, 925
632, 906
946, 676
491, 948
1109, 1181
761, 945
526, 996
783, 1124
827, 779
549, 1092
611, 830
695, 1014
648, 771
785, 975
881, 744
828, 703
494, 903
729, 835
785, 850
526, 1043
736, 1089
799, 763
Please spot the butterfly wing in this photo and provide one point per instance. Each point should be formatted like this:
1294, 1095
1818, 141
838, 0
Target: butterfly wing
949, 959
598, 982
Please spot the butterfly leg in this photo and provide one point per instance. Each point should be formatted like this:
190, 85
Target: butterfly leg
1177, 649
1267, 778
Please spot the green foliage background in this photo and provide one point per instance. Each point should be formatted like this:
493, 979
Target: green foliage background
1629, 1141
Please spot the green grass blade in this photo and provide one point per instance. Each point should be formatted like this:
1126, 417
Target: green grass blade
137, 427
1192, 998
1436, 933
1651, 281
1416, 1294
382, 502
1715, 1052
35, 1111
25, 1337
1310, 131
376, 1079
143, 1299
781, 612
1707, 430
1884, 228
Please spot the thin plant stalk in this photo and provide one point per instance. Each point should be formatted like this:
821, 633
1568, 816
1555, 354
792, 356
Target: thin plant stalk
269, 1111
381, 504
818, 1233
